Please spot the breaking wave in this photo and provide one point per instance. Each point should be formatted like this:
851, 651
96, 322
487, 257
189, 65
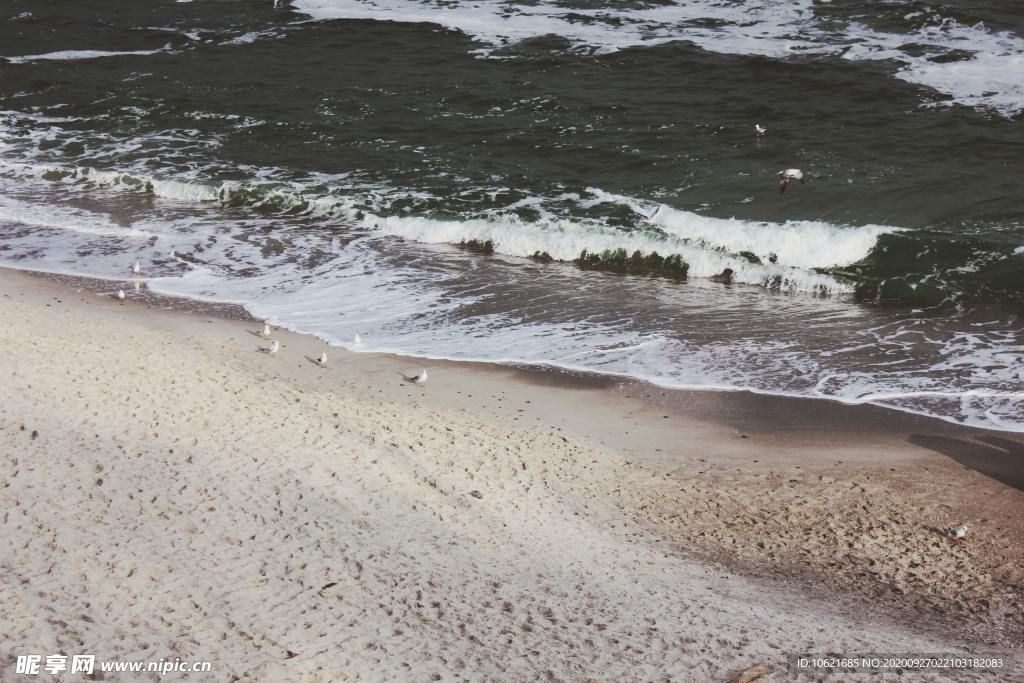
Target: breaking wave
790, 255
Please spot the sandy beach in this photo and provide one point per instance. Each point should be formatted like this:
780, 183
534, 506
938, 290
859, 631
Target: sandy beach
170, 490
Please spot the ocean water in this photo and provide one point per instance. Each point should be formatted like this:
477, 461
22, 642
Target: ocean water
321, 161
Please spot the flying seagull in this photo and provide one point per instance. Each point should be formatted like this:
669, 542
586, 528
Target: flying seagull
960, 533
323, 358
787, 175
121, 295
136, 269
759, 130
266, 330
649, 218
274, 347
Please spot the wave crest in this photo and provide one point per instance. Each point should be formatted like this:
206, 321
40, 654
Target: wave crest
791, 255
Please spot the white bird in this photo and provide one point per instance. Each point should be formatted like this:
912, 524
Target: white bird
274, 347
960, 533
358, 339
323, 358
787, 175
266, 331
121, 295
649, 218
759, 130
420, 378
136, 269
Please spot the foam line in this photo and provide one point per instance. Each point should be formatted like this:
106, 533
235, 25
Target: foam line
991, 77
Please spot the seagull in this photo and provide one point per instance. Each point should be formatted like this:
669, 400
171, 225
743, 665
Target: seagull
136, 269
787, 175
758, 130
266, 331
274, 347
138, 286
323, 358
649, 218
420, 378
358, 339
960, 533
121, 295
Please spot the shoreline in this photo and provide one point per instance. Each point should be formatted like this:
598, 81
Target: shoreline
789, 500
740, 403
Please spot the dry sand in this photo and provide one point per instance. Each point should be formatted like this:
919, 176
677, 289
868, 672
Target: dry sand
168, 490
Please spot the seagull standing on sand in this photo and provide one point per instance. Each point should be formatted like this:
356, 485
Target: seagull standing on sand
787, 175
758, 130
121, 295
274, 347
420, 378
960, 533
136, 269
323, 358
266, 331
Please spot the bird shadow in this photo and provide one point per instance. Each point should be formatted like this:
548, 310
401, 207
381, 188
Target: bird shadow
411, 379
997, 458
314, 361
256, 333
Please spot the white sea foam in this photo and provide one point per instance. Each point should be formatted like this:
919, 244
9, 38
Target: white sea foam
767, 27
168, 188
789, 252
252, 37
63, 218
992, 77
801, 244
184, 191
282, 197
72, 55
564, 239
